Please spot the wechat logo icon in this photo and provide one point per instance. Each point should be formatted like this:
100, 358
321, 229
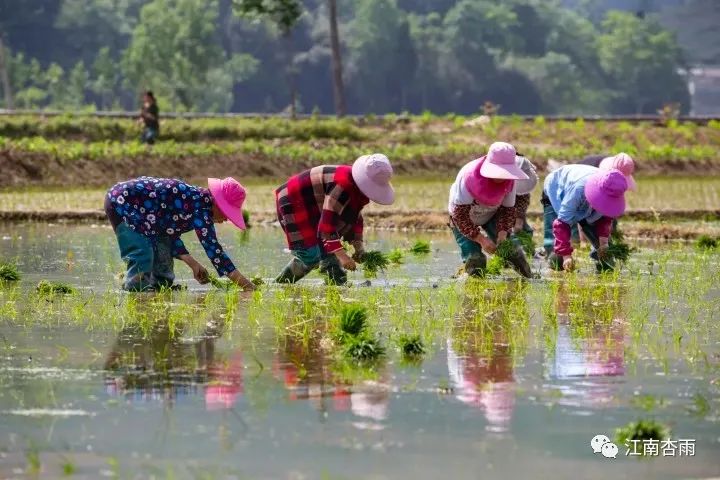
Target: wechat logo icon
602, 444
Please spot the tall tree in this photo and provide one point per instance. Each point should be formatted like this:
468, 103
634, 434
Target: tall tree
175, 51
382, 55
284, 14
642, 60
337, 71
5, 75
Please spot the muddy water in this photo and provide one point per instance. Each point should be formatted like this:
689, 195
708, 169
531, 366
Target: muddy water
200, 385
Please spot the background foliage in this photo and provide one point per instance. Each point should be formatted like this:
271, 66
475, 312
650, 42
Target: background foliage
528, 56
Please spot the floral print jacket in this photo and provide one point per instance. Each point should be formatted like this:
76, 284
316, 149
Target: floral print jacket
168, 207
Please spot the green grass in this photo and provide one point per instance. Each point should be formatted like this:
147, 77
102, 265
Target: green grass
45, 287
420, 247
9, 272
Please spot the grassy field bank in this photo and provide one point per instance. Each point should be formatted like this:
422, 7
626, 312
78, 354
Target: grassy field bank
74, 151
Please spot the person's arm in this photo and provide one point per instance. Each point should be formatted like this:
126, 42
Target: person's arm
333, 206
566, 216
522, 203
461, 219
357, 239
603, 227
219, 259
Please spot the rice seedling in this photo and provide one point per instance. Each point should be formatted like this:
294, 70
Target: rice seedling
411, 346
9, 273
506, 250
396, 256
257, 280
706, 242
374, 261
420, 247
246, 217
352, 321
45, 287
363, 349
221, 283
527, 242
641, 430
495, 265
620, 251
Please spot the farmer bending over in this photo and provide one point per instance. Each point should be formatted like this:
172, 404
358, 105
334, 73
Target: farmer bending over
483, 199
148, 216
589, 197
319, 207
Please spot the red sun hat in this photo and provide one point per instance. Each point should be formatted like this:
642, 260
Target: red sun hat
229, 196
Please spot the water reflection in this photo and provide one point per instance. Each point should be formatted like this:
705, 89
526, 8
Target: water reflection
310, 372
589, 342
480, 351
153, 360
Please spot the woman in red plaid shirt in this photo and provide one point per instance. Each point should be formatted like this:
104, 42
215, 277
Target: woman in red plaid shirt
320, 207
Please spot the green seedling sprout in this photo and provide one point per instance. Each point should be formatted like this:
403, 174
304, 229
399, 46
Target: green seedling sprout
246, 218
527, 242
411, 346
363, 349
9, 273
706, 242
55, 288
374, 261
506, 250
641, 430
396, 256
257, 280
421, 247
221, 283
495, 265
352, 321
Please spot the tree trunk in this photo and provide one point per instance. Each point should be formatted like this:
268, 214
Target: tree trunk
5, 77
338, 89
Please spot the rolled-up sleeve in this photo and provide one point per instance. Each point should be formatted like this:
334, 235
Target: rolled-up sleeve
333, 206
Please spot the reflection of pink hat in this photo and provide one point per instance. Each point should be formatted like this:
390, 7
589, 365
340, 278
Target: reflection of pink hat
229, 196
500, 163
623, 162
372, 175
605, 191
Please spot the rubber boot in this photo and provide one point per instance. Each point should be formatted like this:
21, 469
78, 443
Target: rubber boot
293, 271
519, 262
555, 261
475, 265
163, 264
334, 273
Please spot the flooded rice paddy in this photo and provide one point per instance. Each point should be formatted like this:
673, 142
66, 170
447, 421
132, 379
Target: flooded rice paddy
516, 379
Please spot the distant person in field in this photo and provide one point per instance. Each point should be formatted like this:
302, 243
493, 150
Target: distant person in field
586, 196
148, 216
150, 117
482, 208
320, 207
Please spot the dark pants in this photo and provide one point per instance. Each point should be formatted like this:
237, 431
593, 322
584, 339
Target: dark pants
150, 265
149, 135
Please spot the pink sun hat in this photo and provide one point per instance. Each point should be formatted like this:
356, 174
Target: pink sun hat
605, 191
500, 163
623, 162
372, 175
229, 196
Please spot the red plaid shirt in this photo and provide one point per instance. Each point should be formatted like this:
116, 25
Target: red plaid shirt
319, 207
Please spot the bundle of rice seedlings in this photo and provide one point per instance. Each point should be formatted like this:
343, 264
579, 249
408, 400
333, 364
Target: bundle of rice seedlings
527, 242
363, 349
352, 321
246, 218
421, 247
641, 430
221, 283
495, 265
396, 256
706, 242
411, 345
620, 251
373, 261
505, 249
9, 273
257, 280
54, 288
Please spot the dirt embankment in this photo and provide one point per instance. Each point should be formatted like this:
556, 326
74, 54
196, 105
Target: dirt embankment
41, 169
